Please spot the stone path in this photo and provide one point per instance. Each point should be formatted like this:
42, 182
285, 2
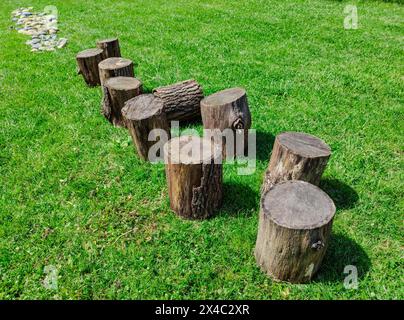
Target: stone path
41, 27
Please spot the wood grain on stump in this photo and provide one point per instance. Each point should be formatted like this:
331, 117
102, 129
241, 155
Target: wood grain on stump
142, 114
194, 177
181, 100
294, 229
296, 156
115, 67
87, 63
117, 91
227, 109
110, 47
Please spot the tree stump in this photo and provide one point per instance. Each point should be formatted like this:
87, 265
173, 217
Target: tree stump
181, 100
143, 114
87, 63
228, 109
296, 156
194, 176
294, 228
115, 67
117, 91
110, 47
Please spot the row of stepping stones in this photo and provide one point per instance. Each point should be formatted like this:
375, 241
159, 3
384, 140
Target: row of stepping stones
295, 214
40, 26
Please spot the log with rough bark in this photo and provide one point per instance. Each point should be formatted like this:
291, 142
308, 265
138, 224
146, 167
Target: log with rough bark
194, 176
294, 230
87, 65
181, 100
142, 114
115, 67
296, 156
228, 109
117, 91
110, 47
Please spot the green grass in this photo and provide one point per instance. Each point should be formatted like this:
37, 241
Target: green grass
73, 193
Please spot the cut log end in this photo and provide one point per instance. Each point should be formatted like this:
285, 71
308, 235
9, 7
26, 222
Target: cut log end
143, 107
298, 205
224, 97
191, 150
87, 65
115, 67
123, 83
304, 144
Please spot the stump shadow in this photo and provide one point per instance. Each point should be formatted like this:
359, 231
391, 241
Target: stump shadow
265, 142
342, 252
344, 196
239, 199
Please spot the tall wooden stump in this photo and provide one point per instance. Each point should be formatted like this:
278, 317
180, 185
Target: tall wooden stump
87, 63
194, 176
115, 67
110, 47
294, 228
228, 109
181, 100
117, 91
296, 156
143, 114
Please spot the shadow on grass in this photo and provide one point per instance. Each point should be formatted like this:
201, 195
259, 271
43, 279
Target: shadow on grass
343, 195
238, 199
342, 252
265, 142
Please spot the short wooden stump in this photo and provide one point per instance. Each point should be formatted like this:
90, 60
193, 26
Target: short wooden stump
296, 156
87, 64
228, 110
294, 229
194, 179
142, 115
116, 92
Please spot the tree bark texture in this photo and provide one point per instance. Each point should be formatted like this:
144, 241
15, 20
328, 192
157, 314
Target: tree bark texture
181, 100
194, 179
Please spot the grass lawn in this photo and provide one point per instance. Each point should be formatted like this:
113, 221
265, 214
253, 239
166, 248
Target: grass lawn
73, 193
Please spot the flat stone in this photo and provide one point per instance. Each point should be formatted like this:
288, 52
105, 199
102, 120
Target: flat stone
62, 43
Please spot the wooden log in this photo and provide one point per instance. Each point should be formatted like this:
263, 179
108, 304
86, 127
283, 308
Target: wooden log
296, 156
115, 67
87, 64
142, 114
181, 100
227, 109
294, 228
194, 176
117, 91
110, 47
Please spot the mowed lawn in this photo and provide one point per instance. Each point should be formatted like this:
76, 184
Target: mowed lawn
74, 194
